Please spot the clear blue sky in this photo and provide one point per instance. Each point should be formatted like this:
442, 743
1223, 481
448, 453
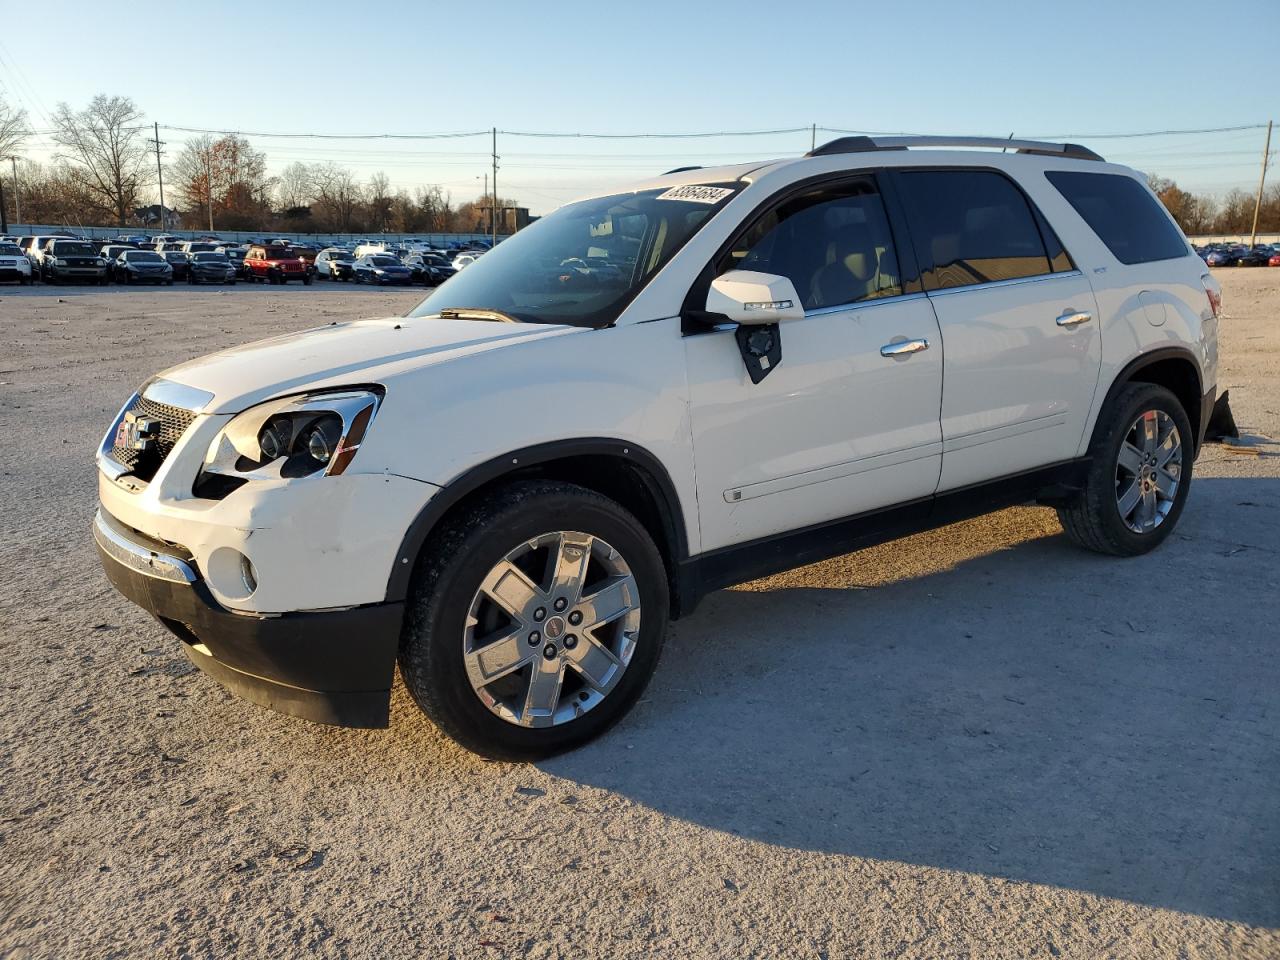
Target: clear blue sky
1033, 68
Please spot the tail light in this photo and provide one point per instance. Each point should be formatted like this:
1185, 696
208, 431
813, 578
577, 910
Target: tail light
1215, 297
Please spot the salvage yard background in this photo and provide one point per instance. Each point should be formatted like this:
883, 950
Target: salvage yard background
975, 742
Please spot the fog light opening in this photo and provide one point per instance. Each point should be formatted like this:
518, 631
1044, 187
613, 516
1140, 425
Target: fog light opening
248, 575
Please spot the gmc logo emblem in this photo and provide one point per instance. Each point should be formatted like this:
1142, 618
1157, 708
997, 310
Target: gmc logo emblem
137, 432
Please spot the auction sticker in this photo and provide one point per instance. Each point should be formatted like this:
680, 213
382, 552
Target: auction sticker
696, 193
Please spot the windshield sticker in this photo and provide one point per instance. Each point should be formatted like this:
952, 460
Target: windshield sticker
696, 193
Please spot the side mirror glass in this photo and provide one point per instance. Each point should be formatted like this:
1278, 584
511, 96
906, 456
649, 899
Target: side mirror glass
751, 298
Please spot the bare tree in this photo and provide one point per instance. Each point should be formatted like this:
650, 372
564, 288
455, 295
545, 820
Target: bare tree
296, 186
379, 200
337, 193
105, 152
13, 128
192, 178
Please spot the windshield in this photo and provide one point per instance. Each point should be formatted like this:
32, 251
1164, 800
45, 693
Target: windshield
174, 255
72, 248
584, 263
210, 258
142, 256
339, 255
384, 261
10, 250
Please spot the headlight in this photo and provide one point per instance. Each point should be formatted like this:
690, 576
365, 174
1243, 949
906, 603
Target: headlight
59, 262
316, 434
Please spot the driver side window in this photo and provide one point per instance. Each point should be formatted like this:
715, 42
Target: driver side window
833, 243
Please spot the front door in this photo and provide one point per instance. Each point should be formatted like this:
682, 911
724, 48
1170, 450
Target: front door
848, 421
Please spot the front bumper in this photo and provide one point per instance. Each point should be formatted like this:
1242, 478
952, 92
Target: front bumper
327, 666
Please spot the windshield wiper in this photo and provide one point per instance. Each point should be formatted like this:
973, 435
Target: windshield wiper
477, 313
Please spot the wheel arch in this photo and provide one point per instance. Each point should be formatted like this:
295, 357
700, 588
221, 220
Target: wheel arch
625, 472
1175, 369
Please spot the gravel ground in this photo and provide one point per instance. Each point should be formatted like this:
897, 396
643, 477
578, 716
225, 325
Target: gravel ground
978, 742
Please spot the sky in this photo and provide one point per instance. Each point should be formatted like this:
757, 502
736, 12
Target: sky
1033, 68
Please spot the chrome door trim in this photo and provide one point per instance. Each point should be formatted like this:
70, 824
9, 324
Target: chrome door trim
991, 284
862, 304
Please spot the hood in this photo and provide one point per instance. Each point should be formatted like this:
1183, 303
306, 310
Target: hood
344, 354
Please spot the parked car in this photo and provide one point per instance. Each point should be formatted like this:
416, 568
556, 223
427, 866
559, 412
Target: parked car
199, 246
236, 255
1274, 260
308, 257
380, 268
179, 261
465, 259
298, 535
429, 269
14, 265
36, 247
333, 263
142, 266
1254, 257
210, 267
68, 260
109, 252
1221, 258
274, 264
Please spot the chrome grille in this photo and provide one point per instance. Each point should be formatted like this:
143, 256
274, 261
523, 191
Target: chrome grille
174, 422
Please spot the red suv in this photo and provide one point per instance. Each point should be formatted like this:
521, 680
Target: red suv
275, 265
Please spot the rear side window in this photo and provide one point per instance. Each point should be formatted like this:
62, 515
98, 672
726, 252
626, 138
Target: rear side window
974, 226
1124, 215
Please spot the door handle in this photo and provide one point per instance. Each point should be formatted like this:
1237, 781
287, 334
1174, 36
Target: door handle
903, 348
1071, 319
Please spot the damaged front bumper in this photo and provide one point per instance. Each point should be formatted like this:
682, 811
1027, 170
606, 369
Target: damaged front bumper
332, 666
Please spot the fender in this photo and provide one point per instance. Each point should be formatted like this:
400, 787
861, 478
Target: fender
1143, 360
649, 469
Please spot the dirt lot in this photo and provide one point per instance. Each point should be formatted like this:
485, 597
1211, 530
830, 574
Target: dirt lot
978, 742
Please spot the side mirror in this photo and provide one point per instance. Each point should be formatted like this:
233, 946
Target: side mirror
747, 297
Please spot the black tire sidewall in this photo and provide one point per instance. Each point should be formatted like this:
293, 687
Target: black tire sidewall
431, 648
1133, 401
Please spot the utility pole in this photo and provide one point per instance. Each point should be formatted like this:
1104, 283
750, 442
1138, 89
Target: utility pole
4, 217
17, 194
159, 173
1257, 204
493, 207
209, 183
813, 138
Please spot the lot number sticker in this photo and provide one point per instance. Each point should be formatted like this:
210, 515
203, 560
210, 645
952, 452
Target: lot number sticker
696, 193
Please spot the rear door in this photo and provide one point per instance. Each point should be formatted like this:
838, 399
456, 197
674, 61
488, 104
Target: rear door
848, 421
1018, 323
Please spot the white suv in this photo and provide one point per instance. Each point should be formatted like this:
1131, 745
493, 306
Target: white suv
649, 395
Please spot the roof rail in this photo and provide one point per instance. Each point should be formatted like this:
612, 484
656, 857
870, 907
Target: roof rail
869, 144
680, 170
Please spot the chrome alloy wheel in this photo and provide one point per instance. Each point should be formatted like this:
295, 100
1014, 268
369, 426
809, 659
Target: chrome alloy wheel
551, 629
1148, 471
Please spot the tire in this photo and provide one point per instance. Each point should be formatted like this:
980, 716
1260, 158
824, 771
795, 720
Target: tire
466, 551
1096, 518
306, 281
168, 283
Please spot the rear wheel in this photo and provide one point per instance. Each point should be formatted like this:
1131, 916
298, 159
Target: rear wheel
1139, 474
535, 621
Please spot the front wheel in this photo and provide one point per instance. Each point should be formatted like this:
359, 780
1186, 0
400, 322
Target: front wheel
535, 620
1139, 474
